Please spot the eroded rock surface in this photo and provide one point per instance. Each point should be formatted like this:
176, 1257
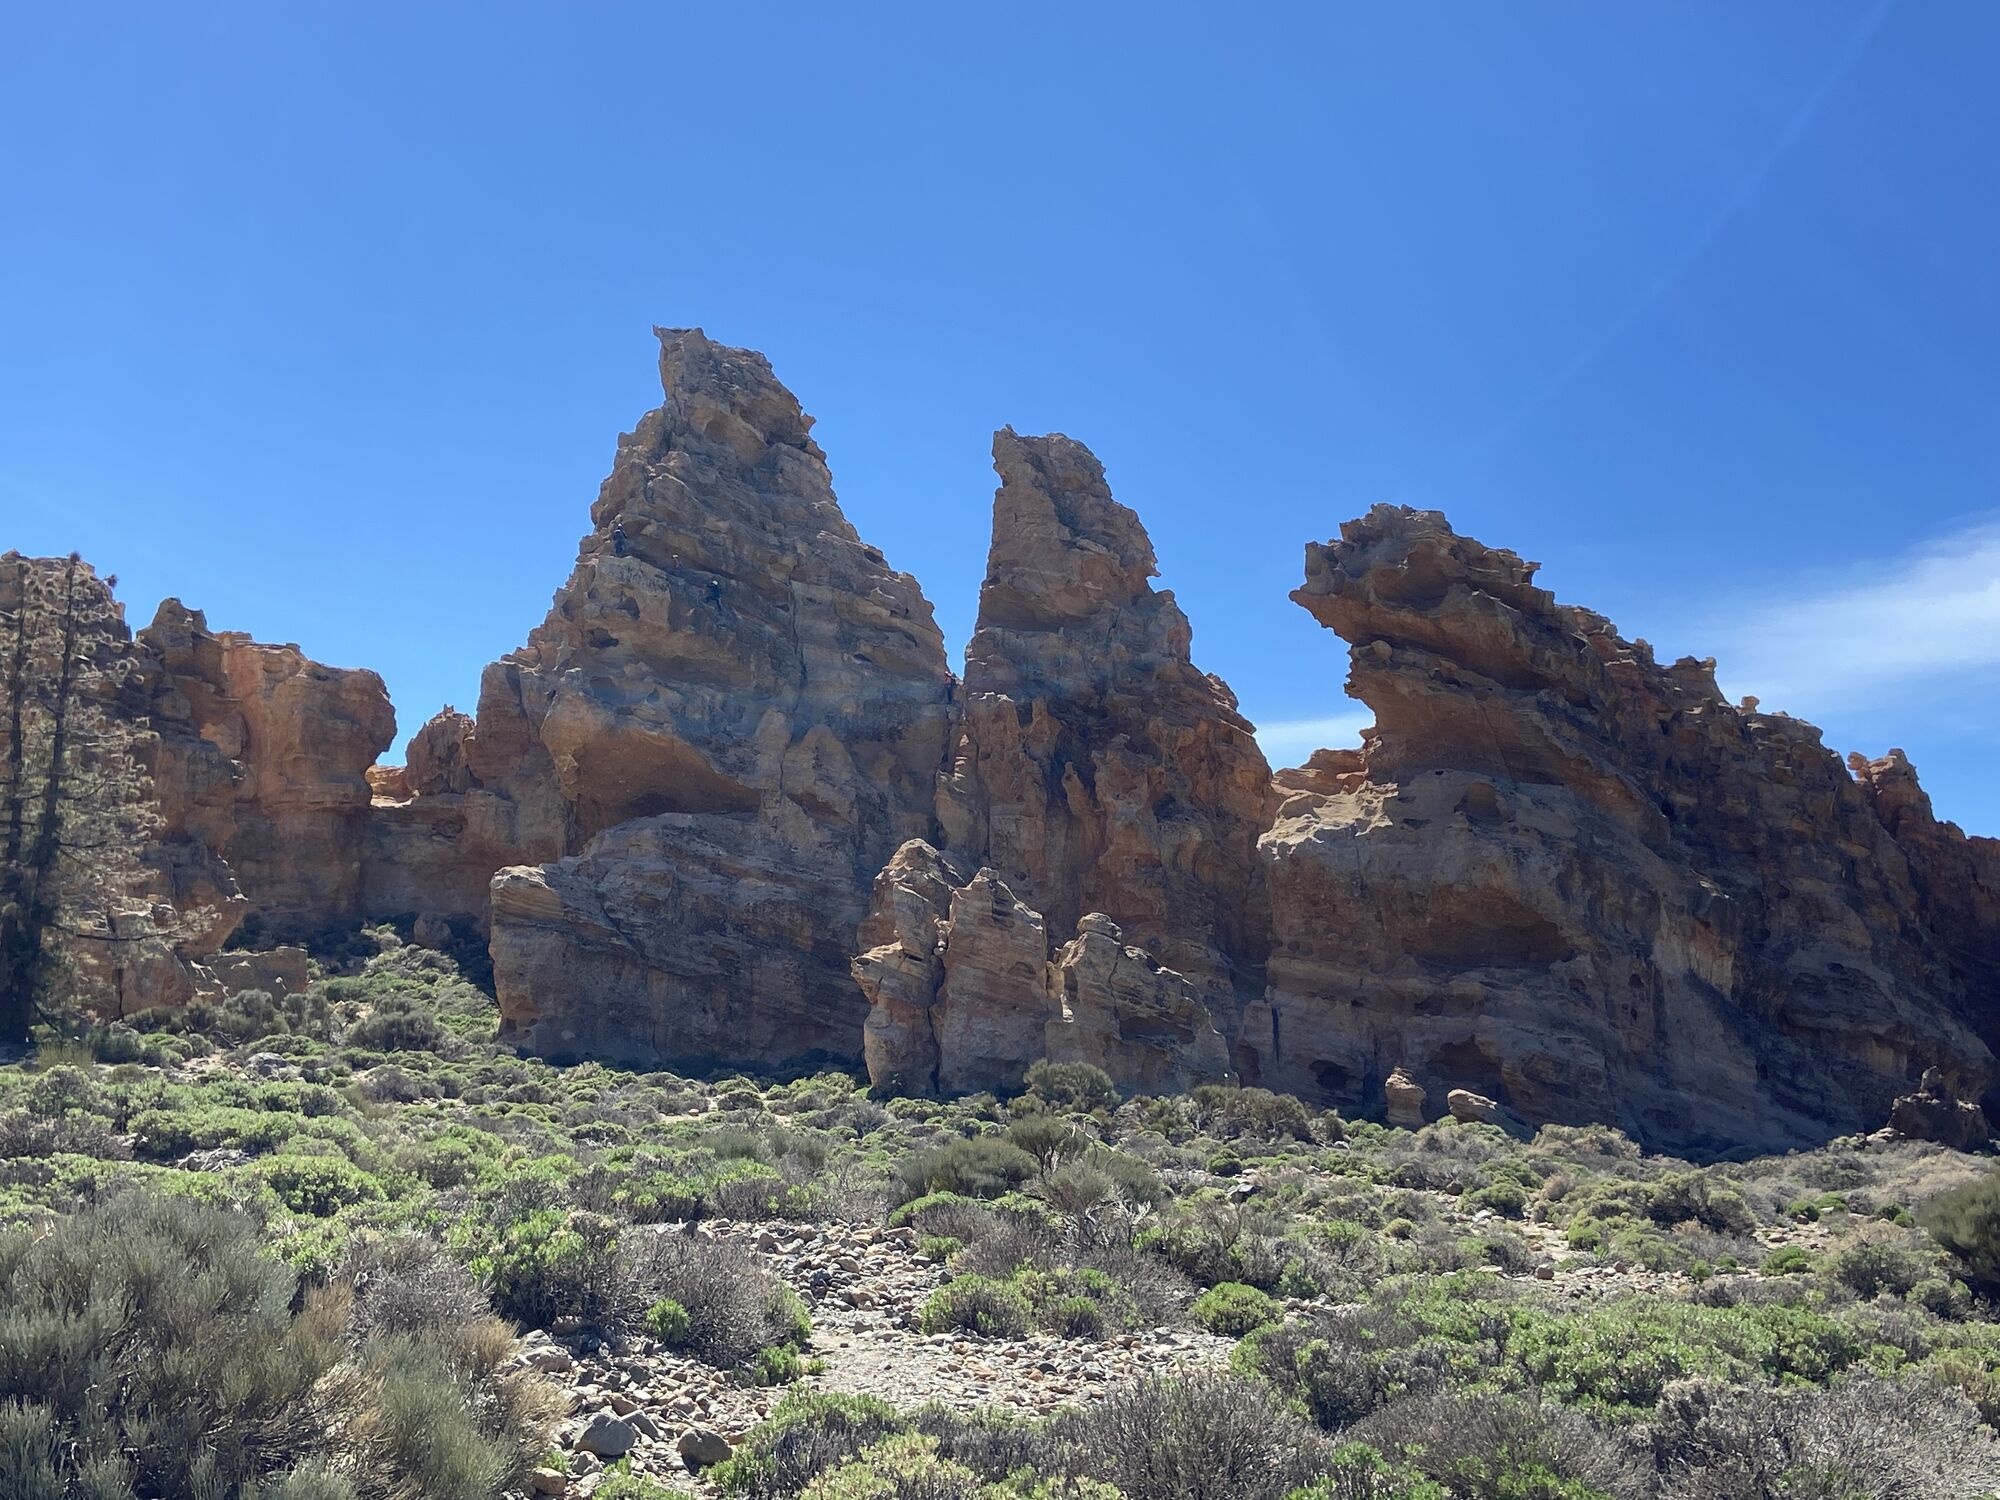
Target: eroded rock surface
736, 709
260, 772
1094, 770
965, 995
1581, 883
1930, 1112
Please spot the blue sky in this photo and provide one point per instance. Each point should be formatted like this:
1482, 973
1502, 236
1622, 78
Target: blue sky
325, 317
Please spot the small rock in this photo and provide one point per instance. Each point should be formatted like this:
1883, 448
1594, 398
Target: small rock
701, 1447
547, 1481
607, 1436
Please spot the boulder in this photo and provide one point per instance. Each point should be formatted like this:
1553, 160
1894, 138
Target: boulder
1470, 1108
703, 1447
1933, 1113
607, 1436
1403, 1100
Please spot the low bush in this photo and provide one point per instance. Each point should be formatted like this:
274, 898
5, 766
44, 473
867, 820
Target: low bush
1234, 1310
1966, 1221
978, 1304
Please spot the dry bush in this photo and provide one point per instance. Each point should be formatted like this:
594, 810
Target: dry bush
1883, 1439
1189, 1436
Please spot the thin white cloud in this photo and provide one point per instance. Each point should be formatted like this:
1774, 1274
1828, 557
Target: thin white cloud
1288, 742
1919, 621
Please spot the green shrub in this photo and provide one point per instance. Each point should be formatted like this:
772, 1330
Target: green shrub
939, 1248
1508, 1199
982, 1167
1966, 1221
1234, 1310
318, 1186
1075, 1087
778, 1364
807, 1434
1787, 1260
669, 1322
977, 1304
1048, 1139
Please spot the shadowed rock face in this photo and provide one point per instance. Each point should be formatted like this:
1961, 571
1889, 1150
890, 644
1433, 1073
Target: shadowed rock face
735, 710
1583, 884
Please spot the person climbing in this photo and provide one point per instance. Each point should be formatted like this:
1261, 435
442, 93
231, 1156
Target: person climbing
715, 591
618, 538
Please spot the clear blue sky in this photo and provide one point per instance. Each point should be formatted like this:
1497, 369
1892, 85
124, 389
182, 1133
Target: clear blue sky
325, 317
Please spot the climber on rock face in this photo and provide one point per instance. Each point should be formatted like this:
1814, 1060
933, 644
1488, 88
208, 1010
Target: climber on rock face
715, 591
618, 538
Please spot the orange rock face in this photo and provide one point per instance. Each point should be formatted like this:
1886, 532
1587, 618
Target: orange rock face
1584, 885
262, 767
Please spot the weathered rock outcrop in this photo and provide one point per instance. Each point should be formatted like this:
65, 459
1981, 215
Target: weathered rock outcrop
1957, 880
1931, 1112
260, 773
1581, 883
735, 710
964, 995
1096, 768
1102, 782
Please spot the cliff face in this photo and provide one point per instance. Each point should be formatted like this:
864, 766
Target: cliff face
1098, 785
260, 773
1582, 883
728, 803
735, 709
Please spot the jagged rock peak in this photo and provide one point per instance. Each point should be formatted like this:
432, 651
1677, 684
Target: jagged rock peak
731, 682
1063, 548
1096, 769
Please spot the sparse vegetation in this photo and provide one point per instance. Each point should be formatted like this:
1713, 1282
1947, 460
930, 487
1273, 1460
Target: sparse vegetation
333, 1205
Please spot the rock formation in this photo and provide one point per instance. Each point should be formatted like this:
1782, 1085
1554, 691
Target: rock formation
735, 710
1559, 881
1096, 768
261, 772
1581, 883
1102, 789
965, 996
1932, 1113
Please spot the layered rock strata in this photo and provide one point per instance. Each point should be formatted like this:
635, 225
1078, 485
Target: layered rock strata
260, 770
735, 710
1104, 784
1582, 883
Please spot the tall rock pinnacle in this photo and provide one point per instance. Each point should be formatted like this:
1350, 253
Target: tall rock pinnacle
737, 708
1097, 775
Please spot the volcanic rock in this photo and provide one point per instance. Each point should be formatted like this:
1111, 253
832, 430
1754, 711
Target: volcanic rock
736, 708
964, 996
1470, 1108
1403, 1099
1580, 882
1932, 1113
261, 765
1094, 771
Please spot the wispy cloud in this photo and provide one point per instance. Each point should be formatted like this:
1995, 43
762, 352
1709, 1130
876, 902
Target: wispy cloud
1288, 742
1919, 622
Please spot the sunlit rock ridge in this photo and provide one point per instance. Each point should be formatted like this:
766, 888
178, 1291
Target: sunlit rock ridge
729, 805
